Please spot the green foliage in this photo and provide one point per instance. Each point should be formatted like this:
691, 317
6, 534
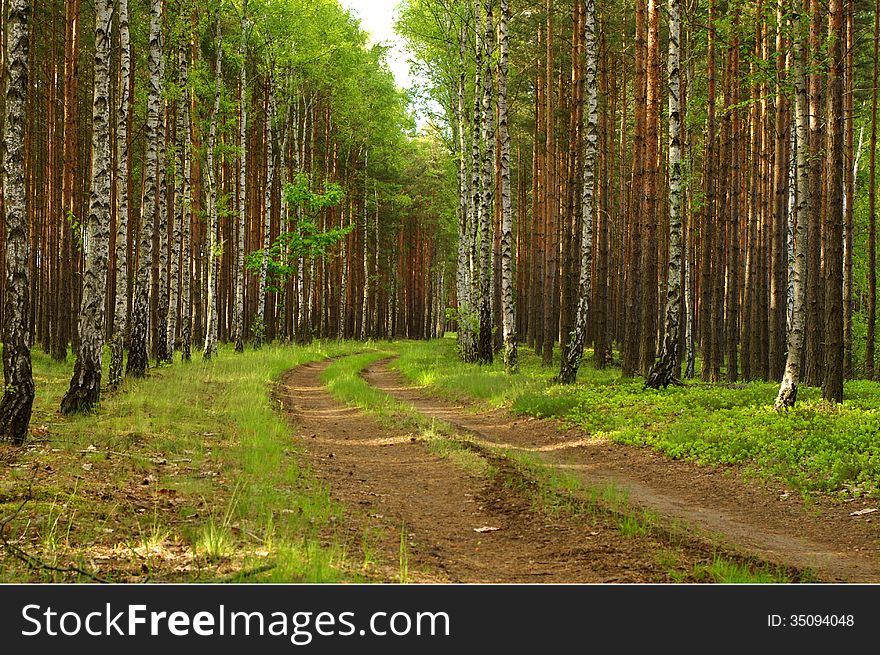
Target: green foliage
306, 241
813, 447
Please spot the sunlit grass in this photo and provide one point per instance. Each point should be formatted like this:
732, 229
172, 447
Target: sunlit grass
211, 436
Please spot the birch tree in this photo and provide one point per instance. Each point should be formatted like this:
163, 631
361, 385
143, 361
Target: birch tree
465, 210
788, 389
662, 374
487, 136
571, 359
238, 315
85, 386
18, 392
186, 222
508, 319
210, 348
138, 359
120, 312
260, 321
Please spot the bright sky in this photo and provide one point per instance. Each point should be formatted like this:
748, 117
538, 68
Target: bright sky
377, 19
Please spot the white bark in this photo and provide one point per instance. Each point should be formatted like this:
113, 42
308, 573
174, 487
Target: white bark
663, 371
572, 359
788, 389
186, 219
463, 274
508, 318
85, 385
238, 312
260, 325
211, 323
18, 392
138, 360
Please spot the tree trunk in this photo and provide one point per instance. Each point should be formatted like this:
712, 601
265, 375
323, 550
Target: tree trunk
238, 314
663, 372
259, 329
210, 348
788, 389
463, 278
571, 359
18, 392
120, 320
872, 208
508, 318
85, 386
487, 130
832, 386
138, 359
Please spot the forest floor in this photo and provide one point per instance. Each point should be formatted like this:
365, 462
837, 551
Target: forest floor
526, 499
395, 462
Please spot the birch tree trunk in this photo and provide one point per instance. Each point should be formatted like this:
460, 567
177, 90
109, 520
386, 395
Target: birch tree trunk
210, 348
662, 374
163, 355
18, 392
463, 277
238, 314
571, 359
186, 219
179, 216
85, 385
508, 318
260, 321
120, 313
475, 210
138, 359
788, 389
487, 130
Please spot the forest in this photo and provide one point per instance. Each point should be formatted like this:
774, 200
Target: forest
592, 300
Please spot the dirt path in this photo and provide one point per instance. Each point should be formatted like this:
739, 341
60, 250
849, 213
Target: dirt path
754, 517
390, 483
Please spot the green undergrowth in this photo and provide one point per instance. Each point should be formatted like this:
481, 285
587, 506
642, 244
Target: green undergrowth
813, 448
187, 474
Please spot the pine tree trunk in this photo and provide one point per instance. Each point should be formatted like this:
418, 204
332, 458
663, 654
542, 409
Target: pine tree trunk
814, 355
872, 208
832, 385
571, 359
138, 359
648, 299
120, 320
18, 392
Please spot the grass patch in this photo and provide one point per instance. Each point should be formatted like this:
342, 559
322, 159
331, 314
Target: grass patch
187, 474
813, 448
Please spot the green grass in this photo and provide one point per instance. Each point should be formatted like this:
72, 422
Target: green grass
195, 459
814, 447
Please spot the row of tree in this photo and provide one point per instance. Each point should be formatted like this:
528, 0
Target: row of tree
189, 172
684, 182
